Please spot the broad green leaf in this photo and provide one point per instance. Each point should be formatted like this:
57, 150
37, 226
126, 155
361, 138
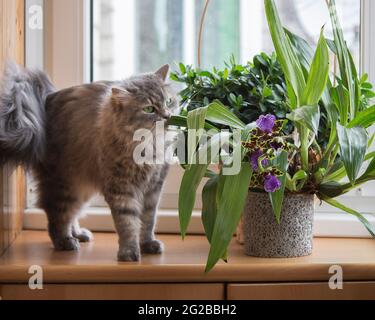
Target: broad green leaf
370, 228
285, 51
187, 194
331, 189
365, 118
353, 146
218, 113
308, 116
304, 51
318, 75
209, 208
230, 207
277, 197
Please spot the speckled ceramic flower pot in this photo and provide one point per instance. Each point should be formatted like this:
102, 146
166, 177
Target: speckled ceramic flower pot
264, 237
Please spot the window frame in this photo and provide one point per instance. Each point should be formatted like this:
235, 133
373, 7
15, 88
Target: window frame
76, 46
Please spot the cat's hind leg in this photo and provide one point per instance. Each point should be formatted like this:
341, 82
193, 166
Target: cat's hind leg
62, 206
82, 234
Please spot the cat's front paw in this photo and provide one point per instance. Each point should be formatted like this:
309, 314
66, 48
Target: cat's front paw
152, 247
129, 255
83, 235
66, 244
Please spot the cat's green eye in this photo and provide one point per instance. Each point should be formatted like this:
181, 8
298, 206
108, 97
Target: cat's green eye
149, 109
169, 102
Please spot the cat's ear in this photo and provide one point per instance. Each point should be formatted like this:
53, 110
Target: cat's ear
118, 92
162, 73
119, 95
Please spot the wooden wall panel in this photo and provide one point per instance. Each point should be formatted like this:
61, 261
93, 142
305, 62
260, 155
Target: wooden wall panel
12, 180
186, 291
301, 291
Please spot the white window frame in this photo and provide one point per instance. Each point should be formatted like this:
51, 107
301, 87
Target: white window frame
68, 21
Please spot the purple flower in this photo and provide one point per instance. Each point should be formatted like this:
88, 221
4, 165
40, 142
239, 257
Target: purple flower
254, 159
266, 123
271, 183
276, 145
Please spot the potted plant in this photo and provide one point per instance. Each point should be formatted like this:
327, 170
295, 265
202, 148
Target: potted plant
317, 150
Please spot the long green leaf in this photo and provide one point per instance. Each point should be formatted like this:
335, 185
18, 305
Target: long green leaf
285, 51
340, 96
305, 54
193, 176
343, 58
353, 146
187, 194
369, 173
181, 121
277, 198
370, 228
318, 75
365, 118
308, 116
340, 173
209, 208
230, 207
195, 123
218, 113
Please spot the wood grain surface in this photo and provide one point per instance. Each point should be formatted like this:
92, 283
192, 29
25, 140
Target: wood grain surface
183, 261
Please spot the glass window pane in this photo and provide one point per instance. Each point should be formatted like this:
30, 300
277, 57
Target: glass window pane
221, 33
132, 36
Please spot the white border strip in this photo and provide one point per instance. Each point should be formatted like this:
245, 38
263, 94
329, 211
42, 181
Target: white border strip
367, 38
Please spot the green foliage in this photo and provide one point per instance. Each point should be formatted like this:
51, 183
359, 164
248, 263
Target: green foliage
327, 136
230, 206
247, 90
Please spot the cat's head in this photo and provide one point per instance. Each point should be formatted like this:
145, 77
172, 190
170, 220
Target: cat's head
144, 100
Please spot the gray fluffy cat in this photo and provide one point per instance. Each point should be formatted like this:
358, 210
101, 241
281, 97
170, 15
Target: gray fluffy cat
79, 141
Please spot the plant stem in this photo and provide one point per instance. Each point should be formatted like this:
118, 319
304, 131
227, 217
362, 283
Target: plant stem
200, 36
304, 136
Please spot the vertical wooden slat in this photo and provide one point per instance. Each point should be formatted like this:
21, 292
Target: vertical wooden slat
2, 184
12, 180
2, 244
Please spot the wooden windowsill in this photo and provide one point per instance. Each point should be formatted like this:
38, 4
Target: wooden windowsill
183, 261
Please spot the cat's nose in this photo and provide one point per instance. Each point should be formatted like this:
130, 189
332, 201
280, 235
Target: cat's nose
167, 114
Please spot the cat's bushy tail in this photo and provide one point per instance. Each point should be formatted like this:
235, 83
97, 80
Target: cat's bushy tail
23, 95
